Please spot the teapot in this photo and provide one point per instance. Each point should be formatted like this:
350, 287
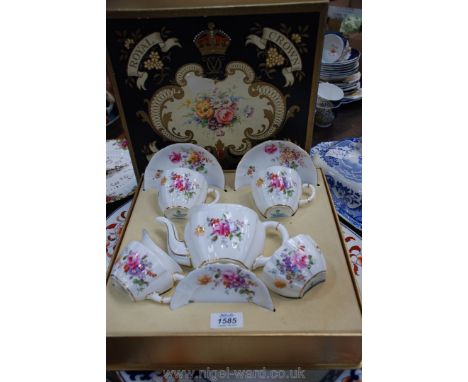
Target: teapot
220, 233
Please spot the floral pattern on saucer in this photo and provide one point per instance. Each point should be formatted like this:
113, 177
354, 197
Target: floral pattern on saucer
193, 160
250, 170
236, 281
271, 153
225, 229
288, 156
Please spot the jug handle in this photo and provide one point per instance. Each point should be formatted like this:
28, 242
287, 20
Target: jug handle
261, 260
156, 297
164, 300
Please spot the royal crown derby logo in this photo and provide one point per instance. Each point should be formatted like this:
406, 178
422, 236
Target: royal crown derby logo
287, 47
151, 61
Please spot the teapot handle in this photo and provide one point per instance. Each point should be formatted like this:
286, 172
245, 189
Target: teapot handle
261, 260
216, 195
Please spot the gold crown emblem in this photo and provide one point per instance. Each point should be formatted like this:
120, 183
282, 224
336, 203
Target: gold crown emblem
212, 41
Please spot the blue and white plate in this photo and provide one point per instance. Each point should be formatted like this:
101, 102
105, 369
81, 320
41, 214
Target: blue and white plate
342, 164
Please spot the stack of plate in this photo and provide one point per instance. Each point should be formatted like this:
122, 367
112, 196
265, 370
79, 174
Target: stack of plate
340, 66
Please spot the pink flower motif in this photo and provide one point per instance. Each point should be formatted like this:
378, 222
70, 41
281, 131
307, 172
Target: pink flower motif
299, 260
232, 280
224, 115
179, 184
133, 264
270, 149
221, 228
175, 157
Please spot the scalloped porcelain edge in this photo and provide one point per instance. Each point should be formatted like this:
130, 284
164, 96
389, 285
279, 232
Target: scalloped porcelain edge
275, 152
221, 283
173, 156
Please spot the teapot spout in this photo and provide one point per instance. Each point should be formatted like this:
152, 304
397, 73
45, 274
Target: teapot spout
176, 248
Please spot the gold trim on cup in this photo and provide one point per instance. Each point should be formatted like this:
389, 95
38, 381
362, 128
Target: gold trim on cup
276, 206
307, 285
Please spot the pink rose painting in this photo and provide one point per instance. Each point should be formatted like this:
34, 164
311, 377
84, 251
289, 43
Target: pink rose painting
175, 157
270, 149
225, 115
217, 110
139, 269
225, 229
237, 281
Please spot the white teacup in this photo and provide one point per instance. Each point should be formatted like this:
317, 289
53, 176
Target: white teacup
277, 192
181, 189
144, 271
294, 268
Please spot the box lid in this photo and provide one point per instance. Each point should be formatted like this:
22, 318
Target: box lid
183, 7
225, 75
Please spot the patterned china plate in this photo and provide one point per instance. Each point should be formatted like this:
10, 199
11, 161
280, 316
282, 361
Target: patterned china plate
120, 177
354, 246
333, 46
114, 225
341, 162
275, 153
221, 283
116, 153
185, 155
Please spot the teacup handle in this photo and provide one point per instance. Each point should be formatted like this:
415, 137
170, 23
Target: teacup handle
213, 191
310, 197
164, 300
261, 260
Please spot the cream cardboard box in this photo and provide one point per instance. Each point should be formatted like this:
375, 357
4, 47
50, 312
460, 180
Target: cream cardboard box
322, 330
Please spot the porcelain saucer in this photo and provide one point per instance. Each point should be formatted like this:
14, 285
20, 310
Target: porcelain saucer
186, 155
225, 283
274, 153
333, 46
